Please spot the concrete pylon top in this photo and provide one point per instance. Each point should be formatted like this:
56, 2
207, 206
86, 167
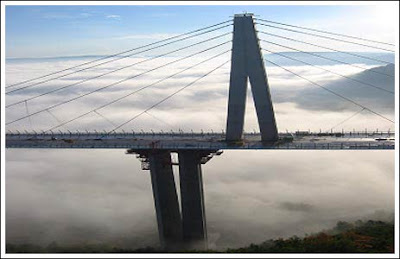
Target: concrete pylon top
244, 14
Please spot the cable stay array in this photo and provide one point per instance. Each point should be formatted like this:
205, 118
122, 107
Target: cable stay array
122, 97
330, 71
168, 97
328, 48
125, 52
325, 37
136, 91
134, 64
110, 85
119, 69
325, 32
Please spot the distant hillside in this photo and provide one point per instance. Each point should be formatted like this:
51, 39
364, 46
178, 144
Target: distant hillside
388, 57
358, 237
316, 98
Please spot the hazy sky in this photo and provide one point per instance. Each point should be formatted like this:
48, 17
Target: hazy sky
77, 196
43, 31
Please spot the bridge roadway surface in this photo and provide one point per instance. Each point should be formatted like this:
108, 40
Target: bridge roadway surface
201, 141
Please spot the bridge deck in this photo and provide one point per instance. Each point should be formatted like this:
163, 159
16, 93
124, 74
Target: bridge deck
200, 141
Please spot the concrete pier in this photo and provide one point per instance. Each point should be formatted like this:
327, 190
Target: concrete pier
192, 200
176, 232
165, 200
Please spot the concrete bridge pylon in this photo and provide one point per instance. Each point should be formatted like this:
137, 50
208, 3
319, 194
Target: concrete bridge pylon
247, 64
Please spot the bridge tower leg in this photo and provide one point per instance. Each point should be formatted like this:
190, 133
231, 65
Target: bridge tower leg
189, 231
247, 62
165, 200
192, 200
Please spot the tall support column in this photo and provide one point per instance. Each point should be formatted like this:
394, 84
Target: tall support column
165, 200
246, 62
192, 200
237, 84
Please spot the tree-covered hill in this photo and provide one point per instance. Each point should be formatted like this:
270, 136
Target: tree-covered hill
360, 237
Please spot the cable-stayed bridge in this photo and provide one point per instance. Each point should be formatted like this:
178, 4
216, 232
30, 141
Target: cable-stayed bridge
185, 223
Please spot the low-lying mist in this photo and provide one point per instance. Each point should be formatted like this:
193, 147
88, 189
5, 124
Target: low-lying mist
102, 196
